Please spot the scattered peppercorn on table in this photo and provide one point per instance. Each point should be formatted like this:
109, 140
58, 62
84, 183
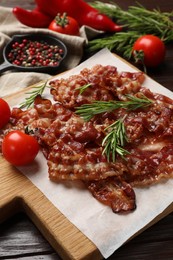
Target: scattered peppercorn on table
19, 238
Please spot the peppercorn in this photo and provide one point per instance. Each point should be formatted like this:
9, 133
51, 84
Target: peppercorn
29, 53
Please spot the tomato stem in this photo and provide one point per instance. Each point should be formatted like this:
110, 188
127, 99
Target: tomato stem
61, 20
139, 58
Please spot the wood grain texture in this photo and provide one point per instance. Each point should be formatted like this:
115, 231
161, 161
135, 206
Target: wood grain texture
19, 194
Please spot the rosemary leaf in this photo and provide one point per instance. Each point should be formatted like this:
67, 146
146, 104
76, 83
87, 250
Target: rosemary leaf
135, 102
151, 22
37, 90
138, 21
83, 88
110, 9
87, 111
114, 140
120, 42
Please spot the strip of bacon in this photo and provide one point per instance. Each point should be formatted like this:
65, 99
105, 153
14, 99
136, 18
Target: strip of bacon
105, 83
70, 160
117, 194
146, 168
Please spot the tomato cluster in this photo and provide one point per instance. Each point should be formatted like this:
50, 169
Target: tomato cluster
18, 148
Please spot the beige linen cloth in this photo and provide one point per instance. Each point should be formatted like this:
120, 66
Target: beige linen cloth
12, 81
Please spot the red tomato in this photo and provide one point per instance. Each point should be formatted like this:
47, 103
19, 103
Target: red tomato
19, 148
64, 24
5, 112
152, 48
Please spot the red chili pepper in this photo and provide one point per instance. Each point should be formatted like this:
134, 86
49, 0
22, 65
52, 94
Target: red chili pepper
81, 11
33, 18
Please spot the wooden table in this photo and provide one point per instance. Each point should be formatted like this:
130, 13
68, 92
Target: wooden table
19, 238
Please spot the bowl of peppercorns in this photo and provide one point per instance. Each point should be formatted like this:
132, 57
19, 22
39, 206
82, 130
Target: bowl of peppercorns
37, 52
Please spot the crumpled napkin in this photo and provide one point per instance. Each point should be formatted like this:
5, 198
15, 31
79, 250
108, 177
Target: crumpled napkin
11, 81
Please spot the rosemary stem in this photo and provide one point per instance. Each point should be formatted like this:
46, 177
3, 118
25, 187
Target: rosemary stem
37, 90
137, 21
87, 111
115, 139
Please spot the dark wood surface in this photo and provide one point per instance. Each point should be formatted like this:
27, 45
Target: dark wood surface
20, 239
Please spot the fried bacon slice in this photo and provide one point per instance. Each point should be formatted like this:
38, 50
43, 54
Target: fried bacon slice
104, 83
73, 150
147, 167
112, 191
70, 160
73, 147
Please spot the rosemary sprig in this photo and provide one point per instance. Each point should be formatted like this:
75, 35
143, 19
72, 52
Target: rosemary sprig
114, 141
87, 111
109, 9
139, 18
135, 102
83, 88
149, 22
121, 42
138, 21
37, 90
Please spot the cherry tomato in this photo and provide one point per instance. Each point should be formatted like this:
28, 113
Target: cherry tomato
5, 113
64, 24
152, 48
19, 148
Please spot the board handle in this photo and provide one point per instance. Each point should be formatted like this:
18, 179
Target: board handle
18, 193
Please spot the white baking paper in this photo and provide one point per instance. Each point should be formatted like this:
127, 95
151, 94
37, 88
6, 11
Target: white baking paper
107, 230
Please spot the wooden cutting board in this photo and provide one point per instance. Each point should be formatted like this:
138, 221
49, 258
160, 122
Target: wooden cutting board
18, 193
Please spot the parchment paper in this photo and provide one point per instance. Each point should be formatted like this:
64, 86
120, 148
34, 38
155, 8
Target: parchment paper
107, 230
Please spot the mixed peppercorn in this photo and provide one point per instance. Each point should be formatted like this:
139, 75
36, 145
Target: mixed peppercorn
28, 53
